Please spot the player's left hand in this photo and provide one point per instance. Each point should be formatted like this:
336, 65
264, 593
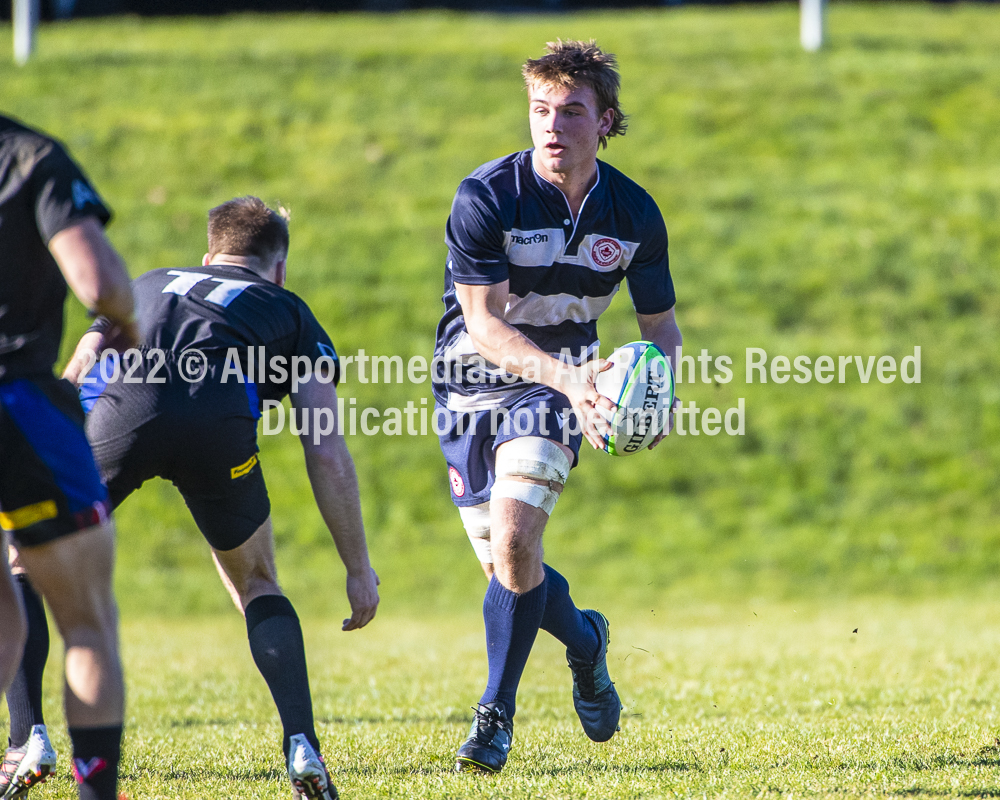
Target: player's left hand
362, 593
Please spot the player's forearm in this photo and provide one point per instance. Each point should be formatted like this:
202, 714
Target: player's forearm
115, 302
94, 270
504, 345
335, 487
664, 333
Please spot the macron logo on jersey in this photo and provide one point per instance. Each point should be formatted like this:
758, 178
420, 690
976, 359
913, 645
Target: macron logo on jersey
83, 195
538, 248
536, 238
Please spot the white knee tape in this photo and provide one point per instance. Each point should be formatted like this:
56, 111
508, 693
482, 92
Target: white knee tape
533, 494
476, 520
534, 458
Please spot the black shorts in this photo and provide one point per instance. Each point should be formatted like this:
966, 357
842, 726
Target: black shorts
200, 436
49, 485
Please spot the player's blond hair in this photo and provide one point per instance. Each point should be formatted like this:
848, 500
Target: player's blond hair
573, 64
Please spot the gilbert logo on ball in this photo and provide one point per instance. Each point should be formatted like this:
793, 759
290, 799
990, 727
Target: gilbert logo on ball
641, 383
606, 252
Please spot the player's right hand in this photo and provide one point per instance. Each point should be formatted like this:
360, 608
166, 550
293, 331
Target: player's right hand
579, 386
362, 593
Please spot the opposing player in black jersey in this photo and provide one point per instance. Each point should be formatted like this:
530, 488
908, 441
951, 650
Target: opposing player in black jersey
52, 502
219, 340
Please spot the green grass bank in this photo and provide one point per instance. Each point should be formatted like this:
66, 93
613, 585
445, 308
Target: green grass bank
843, 203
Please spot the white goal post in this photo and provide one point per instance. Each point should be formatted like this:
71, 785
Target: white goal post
813, 24
24, 15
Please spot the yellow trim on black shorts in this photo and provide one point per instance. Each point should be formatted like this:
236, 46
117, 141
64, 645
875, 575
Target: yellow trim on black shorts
28, 515
244, 468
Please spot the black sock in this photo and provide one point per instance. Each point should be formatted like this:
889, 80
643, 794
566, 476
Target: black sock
24, 698
280, 654
96, 753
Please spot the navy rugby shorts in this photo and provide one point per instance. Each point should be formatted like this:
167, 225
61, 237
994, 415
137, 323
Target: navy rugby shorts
49, 485
470, 442
201, 436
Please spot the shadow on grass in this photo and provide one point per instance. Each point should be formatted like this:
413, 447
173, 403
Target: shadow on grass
445, 764
194, 722
360, 719
916, 791
455, 718
262, 774
585, 767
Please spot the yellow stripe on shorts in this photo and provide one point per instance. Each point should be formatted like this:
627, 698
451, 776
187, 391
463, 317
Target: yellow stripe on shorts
243, 469
28, 515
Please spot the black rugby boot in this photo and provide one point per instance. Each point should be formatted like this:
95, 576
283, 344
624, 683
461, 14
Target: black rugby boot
594, 695
489, 741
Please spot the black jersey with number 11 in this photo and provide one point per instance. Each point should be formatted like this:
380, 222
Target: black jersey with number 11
230, 315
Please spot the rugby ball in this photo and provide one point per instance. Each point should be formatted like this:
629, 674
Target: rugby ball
641, 383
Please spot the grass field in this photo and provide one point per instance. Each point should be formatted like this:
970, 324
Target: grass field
843, 203
737, 700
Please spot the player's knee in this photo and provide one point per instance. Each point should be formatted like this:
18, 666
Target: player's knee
517, 545
533, 470
476, 520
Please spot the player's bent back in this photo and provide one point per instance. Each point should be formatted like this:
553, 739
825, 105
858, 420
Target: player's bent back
185, 406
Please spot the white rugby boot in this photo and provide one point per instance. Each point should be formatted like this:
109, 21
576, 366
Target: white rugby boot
307, 772
28, 765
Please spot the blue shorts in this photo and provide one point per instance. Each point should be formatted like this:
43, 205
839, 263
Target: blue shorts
469, 445
49, 484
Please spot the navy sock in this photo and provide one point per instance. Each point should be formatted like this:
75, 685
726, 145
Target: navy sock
24, 698
96, 753
280, 655
511, 626
565, 621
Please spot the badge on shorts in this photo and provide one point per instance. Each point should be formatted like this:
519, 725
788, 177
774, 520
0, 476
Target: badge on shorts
457, 484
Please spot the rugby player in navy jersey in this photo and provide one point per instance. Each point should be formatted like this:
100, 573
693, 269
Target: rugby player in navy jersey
185, 408
538, 244
52, 502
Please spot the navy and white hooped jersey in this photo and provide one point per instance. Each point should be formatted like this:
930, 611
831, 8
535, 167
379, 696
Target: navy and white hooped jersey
509, 223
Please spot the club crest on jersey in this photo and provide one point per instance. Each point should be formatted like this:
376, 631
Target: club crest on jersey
606, 252
457, 484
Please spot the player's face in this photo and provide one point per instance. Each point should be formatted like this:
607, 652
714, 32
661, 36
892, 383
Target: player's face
566, 129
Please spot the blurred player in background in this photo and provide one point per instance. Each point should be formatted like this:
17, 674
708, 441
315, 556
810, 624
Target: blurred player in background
538, 243
52, 501
189, 414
